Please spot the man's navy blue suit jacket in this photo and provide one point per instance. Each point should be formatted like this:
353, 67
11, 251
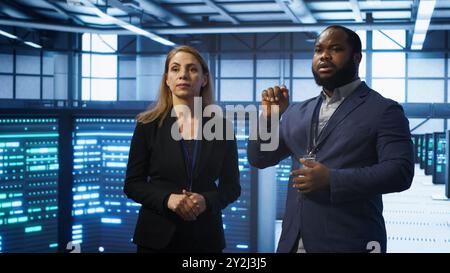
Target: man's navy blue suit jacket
367, 147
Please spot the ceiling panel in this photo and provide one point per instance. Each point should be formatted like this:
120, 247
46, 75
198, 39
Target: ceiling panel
441, 13
213, 18
193, 13
442, 4
255, 7
375, 4
391, 15
334, 15
35, 3
52, 14
180, 2
196, 8
240, 1
263, 17
328, 5
94, 20
87, 10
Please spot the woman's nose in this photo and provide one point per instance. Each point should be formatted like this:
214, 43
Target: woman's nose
182, 74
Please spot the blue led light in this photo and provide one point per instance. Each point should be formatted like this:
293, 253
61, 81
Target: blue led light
101, 147
100, 155
28, 175
111, 220
242, 246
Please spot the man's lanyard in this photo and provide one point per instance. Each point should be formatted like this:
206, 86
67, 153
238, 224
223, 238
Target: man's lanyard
314, 129
314, 134
190, 161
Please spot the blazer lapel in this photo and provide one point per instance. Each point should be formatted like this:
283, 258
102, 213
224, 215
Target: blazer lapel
347, 106
203, 152
175, 150
309, 114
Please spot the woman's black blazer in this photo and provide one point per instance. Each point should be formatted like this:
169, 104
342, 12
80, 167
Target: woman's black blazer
156, 169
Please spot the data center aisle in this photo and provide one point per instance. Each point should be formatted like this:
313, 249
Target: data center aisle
415, 222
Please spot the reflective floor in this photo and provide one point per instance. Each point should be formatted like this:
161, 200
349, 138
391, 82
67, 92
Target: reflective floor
415, 220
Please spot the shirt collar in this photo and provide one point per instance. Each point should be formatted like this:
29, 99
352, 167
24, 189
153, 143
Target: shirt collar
342, 91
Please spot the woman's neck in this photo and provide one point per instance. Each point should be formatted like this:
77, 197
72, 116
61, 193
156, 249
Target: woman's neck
186, 122
187, 102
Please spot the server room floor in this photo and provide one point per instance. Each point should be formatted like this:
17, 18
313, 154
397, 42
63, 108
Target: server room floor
416, 222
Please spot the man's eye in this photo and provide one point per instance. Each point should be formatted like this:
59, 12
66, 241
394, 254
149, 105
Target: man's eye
174, 68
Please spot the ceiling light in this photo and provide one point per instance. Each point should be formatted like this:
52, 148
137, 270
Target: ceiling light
6, 34
424, 13
32, 44
126, 25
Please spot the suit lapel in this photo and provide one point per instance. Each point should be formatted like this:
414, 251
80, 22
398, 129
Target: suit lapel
309, 114
203, 152
175, 150
347, 106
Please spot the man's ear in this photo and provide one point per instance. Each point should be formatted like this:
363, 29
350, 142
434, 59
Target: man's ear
357, 58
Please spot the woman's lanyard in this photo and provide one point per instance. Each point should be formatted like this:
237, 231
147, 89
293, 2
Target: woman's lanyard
190, 161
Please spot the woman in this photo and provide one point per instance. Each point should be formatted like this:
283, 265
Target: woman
174, 180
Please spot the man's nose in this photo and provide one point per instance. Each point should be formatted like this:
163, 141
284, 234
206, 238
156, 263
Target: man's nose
325, 55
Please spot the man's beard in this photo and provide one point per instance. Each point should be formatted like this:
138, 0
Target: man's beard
341, 77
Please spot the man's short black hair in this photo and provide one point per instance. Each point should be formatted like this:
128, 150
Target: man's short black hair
352, 38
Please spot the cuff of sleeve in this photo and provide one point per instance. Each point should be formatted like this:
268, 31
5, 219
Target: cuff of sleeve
160, 204
211, 206
165, 208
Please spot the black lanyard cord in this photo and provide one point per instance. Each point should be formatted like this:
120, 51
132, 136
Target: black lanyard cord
190, 160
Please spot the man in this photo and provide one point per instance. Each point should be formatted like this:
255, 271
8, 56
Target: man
362, 146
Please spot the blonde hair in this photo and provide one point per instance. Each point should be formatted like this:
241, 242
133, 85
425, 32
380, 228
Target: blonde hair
161, 108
